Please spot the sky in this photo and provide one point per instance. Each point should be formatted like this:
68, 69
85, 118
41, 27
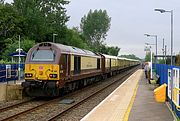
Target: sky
130, 20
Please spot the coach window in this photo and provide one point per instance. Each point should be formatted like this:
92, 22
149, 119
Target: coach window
98, 63
77, 64
110, 63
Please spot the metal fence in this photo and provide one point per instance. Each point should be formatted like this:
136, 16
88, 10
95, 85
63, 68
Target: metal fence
9, 72
162, 71
171, 73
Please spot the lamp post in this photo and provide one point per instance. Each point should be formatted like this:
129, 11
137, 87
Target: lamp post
19, 68
54, 37
165, 53
163, 50
170, 11
148, 35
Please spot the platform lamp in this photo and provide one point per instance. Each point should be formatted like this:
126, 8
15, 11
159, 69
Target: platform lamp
148, 35
19, 63
171, 82
170, 11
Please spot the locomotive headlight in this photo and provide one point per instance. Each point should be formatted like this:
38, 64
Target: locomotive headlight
28, 75
50, 75
53, 75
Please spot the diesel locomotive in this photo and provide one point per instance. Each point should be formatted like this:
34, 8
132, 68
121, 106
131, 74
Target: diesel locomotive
52, 68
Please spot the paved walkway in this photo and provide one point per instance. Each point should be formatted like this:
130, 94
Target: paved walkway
114, 107
145, 108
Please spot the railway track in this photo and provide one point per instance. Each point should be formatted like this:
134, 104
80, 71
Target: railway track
60, 114
17, 110
14, 105
51, 110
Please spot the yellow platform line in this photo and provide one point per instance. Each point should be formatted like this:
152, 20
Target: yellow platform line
126, 116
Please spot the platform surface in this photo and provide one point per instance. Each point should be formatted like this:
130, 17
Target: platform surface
131, 101
114, 107
18, 82
145, 108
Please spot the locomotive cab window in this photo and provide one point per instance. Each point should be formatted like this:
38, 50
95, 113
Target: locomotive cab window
43, 55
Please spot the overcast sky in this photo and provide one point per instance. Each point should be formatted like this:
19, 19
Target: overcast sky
130, 20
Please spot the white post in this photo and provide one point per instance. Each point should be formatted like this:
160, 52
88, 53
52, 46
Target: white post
54, 37
19, 69
151, 64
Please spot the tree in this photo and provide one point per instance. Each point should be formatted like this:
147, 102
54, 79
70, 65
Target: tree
94, 26
148, 57
11, 47
132, 56
73, 38
113, 51
178, 60
43, 18
161, 61
1, 1
11, 24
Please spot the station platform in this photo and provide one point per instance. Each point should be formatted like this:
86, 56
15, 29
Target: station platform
11, 90
18, 82
133, 100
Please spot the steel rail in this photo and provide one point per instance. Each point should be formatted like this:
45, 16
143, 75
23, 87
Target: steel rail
92, 95
30, 110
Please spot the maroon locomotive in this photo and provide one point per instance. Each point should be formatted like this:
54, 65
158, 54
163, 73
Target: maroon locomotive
51, 68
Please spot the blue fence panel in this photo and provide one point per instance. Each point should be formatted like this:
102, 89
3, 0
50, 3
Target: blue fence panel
2, 73
162, 71
14, 72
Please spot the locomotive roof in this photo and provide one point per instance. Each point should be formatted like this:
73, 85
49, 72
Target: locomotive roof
71, 49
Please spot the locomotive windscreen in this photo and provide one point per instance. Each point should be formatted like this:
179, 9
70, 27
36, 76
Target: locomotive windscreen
43, 55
